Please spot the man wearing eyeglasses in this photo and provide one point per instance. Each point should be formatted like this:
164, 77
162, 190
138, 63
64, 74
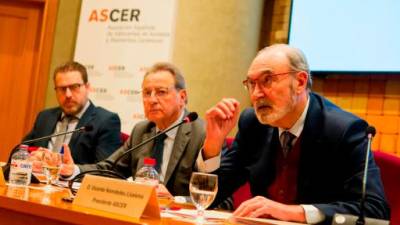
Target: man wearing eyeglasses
164, 100
302, 155
75, 110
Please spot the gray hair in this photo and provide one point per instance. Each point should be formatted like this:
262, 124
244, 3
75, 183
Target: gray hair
297, 59
165, 66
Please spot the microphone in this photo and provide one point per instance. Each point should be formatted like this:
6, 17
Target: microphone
86, 128
189, 118
112, 172
340, 219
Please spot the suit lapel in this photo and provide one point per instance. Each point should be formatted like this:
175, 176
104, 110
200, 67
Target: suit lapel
311, 143
145, 150
50, 127
181, 140
264, 169
86, 118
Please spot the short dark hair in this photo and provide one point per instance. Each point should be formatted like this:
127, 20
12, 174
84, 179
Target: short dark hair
165, 66
72, 66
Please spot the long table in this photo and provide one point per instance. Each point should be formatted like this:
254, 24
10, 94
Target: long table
32, 205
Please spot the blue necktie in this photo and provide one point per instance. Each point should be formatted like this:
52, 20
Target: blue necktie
158, 150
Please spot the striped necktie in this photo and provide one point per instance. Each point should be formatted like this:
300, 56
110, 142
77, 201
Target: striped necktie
286, 140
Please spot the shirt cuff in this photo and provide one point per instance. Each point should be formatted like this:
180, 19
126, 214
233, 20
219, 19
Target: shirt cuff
313, 214
208, 166
76, 172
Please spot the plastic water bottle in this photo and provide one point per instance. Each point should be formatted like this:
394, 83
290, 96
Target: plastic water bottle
147, 174
21, 167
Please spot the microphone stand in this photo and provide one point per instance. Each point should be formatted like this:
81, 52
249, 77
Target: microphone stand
361, 218
55, 135
112, 172
341, 219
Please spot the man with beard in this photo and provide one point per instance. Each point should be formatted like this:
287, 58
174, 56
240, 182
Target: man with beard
302, 155
76, 110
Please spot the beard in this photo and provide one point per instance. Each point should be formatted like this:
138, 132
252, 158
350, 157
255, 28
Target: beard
72, 109
268, 113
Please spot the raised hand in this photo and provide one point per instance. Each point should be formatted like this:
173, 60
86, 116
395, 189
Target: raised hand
67, 168
221, 119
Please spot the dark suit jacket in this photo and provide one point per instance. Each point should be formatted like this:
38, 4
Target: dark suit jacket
86, 147
188, 141
333, 146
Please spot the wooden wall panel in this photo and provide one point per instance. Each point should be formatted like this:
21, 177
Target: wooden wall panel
26, 30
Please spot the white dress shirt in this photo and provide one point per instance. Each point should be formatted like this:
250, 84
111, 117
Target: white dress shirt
70, 127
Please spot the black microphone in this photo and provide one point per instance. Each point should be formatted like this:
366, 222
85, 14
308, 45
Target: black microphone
340, 219
86, 128
112, 173
189, 118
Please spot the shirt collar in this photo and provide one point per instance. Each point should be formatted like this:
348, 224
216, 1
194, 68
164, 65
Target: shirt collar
172, 133
297, 128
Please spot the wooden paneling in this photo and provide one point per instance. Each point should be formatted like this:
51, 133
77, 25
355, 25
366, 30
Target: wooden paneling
375, 98
26, 31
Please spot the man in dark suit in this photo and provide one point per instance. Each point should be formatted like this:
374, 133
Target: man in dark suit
302, 155
164, 101
76, 110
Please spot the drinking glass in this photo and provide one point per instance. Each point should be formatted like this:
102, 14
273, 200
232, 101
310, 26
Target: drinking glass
203, 188
51, 163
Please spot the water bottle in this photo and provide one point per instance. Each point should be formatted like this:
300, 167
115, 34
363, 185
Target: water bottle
147, 174
21, 167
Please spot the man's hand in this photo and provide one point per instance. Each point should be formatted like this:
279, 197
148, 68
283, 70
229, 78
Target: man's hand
263, 207
67, 168
221, 119
36, 158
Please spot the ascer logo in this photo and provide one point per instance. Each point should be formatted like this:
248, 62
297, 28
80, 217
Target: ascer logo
114, 15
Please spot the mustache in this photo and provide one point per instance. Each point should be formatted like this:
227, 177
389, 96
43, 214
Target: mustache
262, 103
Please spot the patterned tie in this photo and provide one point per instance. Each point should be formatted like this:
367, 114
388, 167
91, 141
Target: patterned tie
158, 150
286, 140
59, 141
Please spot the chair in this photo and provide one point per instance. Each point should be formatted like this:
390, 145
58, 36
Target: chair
124, 137
390, 172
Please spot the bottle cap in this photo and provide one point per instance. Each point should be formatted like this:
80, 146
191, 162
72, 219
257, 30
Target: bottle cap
149, 161
24, 146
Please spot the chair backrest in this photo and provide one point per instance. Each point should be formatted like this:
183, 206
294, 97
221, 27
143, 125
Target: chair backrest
124, 137
390, 172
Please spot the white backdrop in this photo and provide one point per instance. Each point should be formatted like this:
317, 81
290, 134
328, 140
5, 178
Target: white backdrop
116, 40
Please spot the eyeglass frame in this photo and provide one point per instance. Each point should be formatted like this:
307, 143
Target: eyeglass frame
74, 88
157, 91
266, 74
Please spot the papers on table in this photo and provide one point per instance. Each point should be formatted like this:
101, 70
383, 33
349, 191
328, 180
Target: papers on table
192, 214
213, 216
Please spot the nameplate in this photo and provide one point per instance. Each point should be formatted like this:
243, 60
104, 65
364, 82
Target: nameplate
2, 180
131, 200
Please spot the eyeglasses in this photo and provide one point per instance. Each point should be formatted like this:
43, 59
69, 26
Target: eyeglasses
159, 92
72, 87
265, 81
